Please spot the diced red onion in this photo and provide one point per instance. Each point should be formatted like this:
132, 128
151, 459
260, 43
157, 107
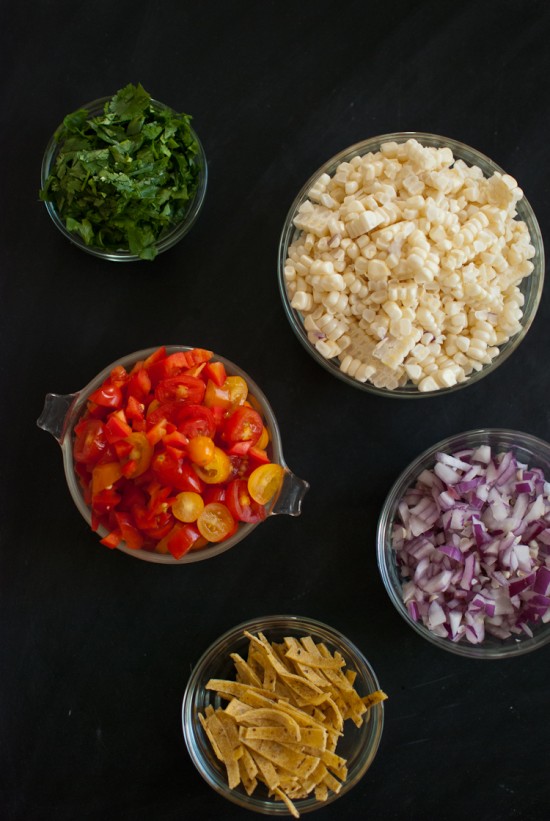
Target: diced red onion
472, 538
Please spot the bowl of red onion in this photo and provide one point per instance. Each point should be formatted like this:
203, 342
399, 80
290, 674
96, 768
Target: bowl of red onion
463, 544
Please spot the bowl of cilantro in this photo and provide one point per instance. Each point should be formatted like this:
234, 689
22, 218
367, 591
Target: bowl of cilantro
124, 177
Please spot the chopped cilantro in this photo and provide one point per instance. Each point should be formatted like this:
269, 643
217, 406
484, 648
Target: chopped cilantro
123, 178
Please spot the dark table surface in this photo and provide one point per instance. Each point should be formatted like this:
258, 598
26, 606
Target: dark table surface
96, 646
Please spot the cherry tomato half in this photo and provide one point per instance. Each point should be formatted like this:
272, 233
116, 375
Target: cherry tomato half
264, 482
201, 450
216, 522
241, 505
195, 420
217, 470
187, 506
244, 425
185, 388
140, 455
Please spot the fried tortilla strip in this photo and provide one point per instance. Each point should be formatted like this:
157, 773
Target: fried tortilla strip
303, 655
232, 732
332, 783
374, 698
303, 718
248, 771
294, 761
284, 797
247, 693
268, 716
236, 708
225, 747
249, 763
336, 764
321, 792
245, 673
211, 737
314, 737
266, 771
266, 733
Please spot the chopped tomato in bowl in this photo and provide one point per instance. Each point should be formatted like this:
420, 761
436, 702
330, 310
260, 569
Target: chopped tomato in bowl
172, 454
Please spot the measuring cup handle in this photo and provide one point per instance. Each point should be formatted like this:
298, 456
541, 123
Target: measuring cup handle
289, 501
55, 412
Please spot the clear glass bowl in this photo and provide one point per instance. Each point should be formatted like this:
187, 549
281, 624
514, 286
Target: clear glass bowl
527, 449
62, 412
168, 239
530, 286
358, 745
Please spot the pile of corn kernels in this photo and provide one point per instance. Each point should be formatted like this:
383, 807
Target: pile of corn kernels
407, 266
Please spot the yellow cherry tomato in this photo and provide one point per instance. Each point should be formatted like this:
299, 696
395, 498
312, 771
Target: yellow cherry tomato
217, 470
201, 450
187, 506
263, 441
215, 523
238, 390
265, 482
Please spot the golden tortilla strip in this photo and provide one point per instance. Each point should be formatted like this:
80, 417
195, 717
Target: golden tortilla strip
249, 764
336, 764
231, 730
245, 673
374, 698
224, 745
265, 716
284, 797
266, 733
256, 697
321, 792
266, 771
332, 782
296, 762
298, 653
211, 737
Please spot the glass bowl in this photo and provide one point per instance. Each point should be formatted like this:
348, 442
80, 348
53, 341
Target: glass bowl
527, 450
358, 745
62, 412
169, 238
530, 286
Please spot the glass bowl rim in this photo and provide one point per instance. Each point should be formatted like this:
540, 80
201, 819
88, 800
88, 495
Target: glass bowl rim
525, 213
75, 411
170, 237
303, 624
496, 649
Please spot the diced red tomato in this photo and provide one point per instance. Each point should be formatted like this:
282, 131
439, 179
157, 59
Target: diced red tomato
90, 442
116, 427
216, 372
107, 396
172, 468
179, 540
129, 531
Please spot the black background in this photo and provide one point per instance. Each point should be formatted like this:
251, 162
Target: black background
96, 646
